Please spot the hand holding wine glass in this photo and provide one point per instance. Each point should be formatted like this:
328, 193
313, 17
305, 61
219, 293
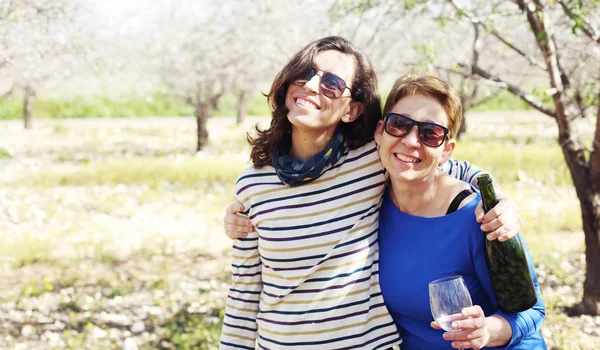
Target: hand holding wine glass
451, 304
447, 298
473, 330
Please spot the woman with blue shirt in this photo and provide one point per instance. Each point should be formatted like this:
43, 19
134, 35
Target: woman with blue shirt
422, 239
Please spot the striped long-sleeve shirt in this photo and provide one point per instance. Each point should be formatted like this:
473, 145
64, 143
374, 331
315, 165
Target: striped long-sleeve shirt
309, 277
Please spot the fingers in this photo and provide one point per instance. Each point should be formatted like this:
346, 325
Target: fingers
505, 226
500, 208
513, 231
435, 325
505, 232
504, 207
471, 338
472, 328
470, 323
237, 231
471, 317
473, 311
236, 222
468, 344
503, 221
236, 226
234, 208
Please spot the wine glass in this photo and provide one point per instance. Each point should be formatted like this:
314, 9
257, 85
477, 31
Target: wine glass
447, 297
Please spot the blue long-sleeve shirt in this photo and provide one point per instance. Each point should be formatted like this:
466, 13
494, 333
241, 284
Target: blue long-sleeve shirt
417, 250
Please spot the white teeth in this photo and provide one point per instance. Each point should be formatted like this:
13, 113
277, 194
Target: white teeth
407, 159
305, 103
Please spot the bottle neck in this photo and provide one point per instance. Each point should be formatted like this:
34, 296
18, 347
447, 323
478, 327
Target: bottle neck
488, 196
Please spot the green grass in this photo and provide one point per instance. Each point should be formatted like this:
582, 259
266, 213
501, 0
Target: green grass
102, 107
504, 101
257, 106
96, 107
4, 154
510, 162
59, 129
68, 156
35, 288
149, 171
189, 330
25, 250
11, 108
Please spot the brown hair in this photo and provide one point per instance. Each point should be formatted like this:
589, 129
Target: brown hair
432, 86
364, 90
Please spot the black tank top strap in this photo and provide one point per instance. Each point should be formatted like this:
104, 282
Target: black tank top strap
458, 199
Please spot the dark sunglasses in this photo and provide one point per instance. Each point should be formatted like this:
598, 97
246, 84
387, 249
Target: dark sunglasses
330, 85
430, 134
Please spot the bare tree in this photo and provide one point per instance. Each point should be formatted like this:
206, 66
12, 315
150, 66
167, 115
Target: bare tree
204, 50
409, 36
37, 44
471, 91
564, 44
193, 59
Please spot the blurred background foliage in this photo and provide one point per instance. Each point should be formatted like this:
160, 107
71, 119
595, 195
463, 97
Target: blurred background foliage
122, 129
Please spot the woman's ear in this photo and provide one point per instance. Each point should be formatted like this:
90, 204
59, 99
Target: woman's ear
448, 149
355, 110
378, 132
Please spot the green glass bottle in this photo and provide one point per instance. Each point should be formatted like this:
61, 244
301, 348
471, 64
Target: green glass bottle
507, 262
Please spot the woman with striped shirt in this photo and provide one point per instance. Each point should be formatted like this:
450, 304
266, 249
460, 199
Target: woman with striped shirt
308, 276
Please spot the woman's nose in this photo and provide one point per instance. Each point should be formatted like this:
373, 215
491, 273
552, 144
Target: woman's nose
412, 138
312, 84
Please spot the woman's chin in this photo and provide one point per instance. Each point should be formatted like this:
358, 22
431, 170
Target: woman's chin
403, 176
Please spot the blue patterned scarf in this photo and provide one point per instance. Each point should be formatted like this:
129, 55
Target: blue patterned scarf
294, 173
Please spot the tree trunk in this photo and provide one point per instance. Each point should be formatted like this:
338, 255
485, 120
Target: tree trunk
463, 126
28, 104
590, 209
582, 172
241, 106
590, 304
203, 111
588, 194
465, 101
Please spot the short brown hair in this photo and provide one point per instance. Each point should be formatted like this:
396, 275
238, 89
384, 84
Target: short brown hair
364, 90
432, 86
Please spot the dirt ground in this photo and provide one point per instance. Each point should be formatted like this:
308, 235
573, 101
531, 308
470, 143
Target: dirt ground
91, 267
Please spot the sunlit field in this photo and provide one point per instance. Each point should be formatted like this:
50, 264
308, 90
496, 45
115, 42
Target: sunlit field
111, 229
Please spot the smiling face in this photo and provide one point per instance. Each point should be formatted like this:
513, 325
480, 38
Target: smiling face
310, 112
407, 158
